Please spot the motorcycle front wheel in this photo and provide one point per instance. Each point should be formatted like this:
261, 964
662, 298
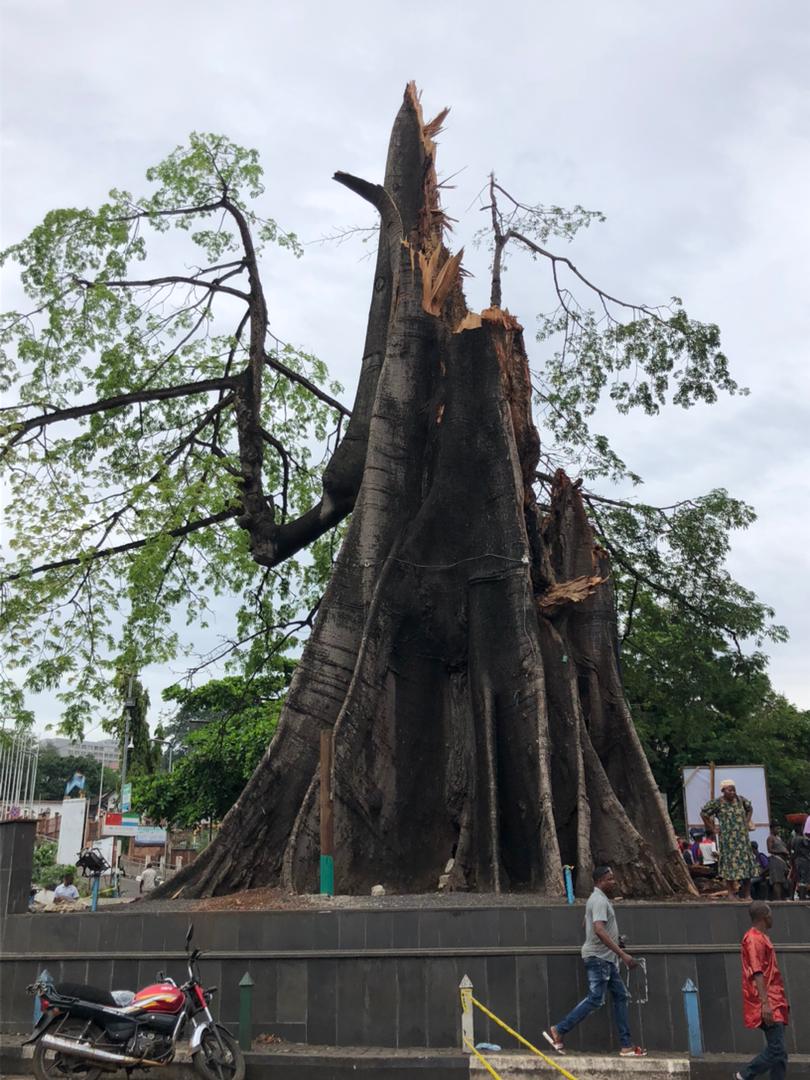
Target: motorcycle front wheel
55, 1065
215, 1062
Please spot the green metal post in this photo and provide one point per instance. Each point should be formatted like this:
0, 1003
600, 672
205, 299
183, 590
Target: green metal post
327, 875
246, 1011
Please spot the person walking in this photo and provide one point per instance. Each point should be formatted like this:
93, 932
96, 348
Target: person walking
148, 879
765, 1005
602, 953
733, 812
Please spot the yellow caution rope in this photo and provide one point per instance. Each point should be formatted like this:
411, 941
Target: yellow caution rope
519, 1037
482, 1059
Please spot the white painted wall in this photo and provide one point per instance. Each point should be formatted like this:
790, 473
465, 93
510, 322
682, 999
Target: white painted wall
71, 830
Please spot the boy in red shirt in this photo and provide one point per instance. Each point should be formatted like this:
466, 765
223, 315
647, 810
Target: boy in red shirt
764, 1003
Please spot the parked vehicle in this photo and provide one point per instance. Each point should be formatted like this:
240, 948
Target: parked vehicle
85, 1031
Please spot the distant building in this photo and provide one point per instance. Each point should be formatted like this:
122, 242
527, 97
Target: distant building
107, 751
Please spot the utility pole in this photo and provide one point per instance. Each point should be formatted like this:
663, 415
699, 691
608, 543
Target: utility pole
100, 791
327, 820
129, 705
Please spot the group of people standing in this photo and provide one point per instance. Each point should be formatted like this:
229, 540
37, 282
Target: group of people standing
725, 851
789, 864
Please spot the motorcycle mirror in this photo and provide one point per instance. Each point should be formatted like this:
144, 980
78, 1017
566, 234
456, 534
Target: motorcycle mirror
189, 933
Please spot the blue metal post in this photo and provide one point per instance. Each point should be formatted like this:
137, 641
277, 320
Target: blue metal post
569, 883
94, 892
691, 1007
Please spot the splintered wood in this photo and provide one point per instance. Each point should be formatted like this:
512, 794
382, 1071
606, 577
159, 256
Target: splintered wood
438, 281
568, 592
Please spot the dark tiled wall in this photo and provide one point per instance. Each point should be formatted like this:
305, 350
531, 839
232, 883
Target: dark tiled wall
388, 978
16, 860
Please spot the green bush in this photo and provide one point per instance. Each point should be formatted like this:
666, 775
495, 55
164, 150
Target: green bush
47, 873
52, 875
44, 860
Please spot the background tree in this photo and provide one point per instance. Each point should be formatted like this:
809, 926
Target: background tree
695, 699
168, 434
218, 736
189, 467
143, 754
54, 770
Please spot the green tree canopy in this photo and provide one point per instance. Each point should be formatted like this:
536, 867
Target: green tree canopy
143, 753
153, 412
218, 735
54, 770
696, 699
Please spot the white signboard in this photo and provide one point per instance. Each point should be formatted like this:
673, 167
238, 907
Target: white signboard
150, 835
116, 825
750, 782
71, 831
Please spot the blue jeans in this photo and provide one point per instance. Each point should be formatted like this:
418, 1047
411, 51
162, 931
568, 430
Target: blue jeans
602, 976
773, 1058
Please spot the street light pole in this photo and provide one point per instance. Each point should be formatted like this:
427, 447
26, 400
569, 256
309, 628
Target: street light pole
129, 705
100, 792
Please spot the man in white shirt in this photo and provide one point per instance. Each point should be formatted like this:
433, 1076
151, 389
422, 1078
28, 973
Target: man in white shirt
148, 878
66, 891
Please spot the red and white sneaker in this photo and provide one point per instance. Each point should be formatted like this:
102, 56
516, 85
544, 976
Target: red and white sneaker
632, 1051
553, 1036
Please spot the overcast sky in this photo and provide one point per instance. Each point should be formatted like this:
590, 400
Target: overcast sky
688, 125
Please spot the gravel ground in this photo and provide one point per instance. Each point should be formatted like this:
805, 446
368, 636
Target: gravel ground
274, 899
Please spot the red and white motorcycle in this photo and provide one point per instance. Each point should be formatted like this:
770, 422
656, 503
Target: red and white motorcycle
84, 1031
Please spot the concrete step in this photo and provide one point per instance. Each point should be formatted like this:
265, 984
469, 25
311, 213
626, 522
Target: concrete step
296, 1061
520, 1066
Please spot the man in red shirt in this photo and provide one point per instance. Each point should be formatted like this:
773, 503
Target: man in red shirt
764, 1003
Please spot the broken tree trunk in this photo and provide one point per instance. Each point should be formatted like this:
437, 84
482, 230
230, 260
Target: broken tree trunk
465, 655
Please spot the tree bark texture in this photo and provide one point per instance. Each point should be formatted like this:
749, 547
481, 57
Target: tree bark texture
465, 656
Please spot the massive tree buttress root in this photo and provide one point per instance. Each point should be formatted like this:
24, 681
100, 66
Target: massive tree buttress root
465, 654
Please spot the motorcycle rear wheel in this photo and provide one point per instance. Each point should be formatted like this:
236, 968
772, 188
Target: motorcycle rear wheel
54, 1065
214, 1063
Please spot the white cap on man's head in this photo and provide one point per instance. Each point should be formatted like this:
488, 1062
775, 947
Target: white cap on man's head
726, 783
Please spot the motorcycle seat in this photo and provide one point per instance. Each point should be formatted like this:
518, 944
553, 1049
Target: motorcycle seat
93, 994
